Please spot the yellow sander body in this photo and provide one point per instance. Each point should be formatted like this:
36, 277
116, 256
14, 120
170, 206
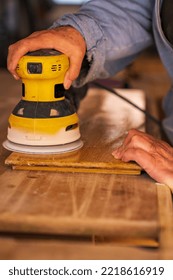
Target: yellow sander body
44, 121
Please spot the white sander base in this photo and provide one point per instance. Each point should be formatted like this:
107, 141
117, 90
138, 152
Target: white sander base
55, 149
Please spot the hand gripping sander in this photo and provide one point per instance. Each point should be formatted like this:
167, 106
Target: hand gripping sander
43, 121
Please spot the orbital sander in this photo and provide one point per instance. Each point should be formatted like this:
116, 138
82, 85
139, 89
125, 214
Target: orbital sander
43, 121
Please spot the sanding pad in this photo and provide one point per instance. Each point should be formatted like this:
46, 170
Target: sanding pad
55, 149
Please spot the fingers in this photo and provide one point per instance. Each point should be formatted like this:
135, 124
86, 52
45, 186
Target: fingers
154, 156
136, 136
134, 140
137, 139
64, 39
73, 45
14, 54
157, 167
140, 156
20, 48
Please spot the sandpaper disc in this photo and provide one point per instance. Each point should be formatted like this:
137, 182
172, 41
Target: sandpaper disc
55, 149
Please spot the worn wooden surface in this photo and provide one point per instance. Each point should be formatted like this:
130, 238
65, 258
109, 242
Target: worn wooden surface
104, 120
82, 205
165, 214
114, 215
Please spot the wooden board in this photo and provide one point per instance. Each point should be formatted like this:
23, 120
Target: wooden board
104, 121
85, 205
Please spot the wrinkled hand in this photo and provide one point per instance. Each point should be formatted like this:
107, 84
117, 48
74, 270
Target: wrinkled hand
154, 156
64, 39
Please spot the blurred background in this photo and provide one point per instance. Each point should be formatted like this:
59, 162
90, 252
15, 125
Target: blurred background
19, 18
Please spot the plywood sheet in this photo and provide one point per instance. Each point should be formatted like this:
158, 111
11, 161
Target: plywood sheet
104, 121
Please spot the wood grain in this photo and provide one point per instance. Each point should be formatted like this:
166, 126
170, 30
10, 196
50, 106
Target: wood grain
89, 204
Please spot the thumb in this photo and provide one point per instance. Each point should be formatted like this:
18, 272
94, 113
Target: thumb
67, 80
74, 69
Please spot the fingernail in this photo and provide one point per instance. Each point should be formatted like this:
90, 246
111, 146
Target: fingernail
116, 154
67, 83
15, 76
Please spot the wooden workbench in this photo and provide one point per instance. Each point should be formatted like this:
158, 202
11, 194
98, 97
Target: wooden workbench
52, 215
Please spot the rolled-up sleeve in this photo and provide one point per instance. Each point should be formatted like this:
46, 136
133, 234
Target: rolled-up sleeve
115, 31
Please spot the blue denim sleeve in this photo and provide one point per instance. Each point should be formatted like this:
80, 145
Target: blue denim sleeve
115, 31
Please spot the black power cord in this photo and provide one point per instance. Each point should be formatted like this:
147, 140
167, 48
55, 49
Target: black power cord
151, 117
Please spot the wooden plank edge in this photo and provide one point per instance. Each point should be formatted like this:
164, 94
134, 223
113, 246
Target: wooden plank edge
52, 163
137, 241
77, 170
23, 159
165, 211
